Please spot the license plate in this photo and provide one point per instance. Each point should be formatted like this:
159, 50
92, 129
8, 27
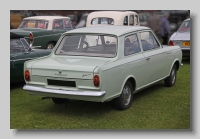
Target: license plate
185, 43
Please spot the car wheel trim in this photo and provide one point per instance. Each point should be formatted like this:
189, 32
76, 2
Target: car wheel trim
50, 46
126, 95
173, 76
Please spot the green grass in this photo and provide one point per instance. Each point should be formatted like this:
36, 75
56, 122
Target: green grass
157, 107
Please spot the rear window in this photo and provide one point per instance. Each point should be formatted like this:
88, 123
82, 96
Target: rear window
42, 24
88, 45
102, 20
185, 26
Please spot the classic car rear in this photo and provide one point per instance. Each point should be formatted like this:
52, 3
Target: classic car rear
182, 38
20, 51
45, 29
102, 63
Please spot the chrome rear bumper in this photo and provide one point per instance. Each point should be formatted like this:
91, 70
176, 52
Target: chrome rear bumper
63, 92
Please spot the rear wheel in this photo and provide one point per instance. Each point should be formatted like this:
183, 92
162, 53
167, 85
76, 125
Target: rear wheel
124, 101
171, 79
59, 100
50, 45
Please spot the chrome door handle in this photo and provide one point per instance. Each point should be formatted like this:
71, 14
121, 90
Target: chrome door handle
168, 52
147, 58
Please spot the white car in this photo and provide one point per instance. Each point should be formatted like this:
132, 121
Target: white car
124, 18
182, 38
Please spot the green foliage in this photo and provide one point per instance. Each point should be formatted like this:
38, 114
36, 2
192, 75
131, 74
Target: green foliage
157, 107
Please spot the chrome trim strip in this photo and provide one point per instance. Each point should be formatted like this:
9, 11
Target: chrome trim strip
48, 35
122, 64
64, 92
24, 59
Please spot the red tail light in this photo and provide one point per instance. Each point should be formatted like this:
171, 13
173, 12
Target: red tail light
96, 80
31, 37
171, 43
27, 75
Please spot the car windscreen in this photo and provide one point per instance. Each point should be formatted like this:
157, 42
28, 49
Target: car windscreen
185, 26
88, 45
102, 20
18, 45
42, 24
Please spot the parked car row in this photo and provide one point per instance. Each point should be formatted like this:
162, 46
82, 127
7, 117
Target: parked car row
110, 59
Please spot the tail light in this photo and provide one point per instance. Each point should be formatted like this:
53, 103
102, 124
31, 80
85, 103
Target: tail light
96, 80
31, 37
171, 43
27, 75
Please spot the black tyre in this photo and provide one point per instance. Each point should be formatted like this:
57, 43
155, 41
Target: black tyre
171, 79
59, 100
50, 45
124, 101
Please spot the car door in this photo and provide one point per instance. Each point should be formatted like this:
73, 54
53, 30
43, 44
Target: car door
154, 55
19, 54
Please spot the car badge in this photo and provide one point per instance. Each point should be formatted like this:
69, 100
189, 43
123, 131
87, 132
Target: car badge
60, 73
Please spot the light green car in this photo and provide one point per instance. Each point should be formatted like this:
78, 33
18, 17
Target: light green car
102, 63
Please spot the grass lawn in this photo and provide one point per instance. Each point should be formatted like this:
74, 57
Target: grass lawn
157, 107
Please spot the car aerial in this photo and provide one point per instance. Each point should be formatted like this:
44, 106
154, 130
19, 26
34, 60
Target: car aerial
45, 29
182, 38
126, 18
84, 65
20, 51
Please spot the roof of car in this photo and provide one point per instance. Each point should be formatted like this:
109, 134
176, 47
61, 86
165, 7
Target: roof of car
108, 29
110, 13
46, 17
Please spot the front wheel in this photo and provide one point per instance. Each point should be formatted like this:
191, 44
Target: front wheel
124, 101
171, 79
50, 45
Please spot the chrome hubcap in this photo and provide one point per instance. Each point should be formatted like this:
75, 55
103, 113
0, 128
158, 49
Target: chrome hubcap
126, 95
50, 46
173, 76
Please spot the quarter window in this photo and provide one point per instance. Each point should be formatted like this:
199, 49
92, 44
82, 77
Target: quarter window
148, 41
67, 24
131, 45
57, 24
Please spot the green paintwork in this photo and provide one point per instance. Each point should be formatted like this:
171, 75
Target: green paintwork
17, 63
41, 37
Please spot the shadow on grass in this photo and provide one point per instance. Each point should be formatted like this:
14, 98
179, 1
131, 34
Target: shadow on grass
97, 109
16, 85
186, 60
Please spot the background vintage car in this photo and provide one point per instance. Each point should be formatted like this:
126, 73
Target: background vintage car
127, 18
19, 53
86, 66
46, 29
182, 37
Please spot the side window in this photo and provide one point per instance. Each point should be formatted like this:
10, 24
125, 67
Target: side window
148, 41
67, 23
131, 20
57, 24
126, 20
131, 45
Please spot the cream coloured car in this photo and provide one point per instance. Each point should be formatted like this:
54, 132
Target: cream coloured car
125, 18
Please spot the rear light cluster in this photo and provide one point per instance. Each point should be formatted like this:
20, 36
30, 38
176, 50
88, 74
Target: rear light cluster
31, 37
171, 43
96, 80
27, 75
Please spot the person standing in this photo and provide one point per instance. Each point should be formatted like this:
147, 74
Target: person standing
165, 28
154, 23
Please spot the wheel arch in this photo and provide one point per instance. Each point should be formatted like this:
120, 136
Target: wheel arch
132, 80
